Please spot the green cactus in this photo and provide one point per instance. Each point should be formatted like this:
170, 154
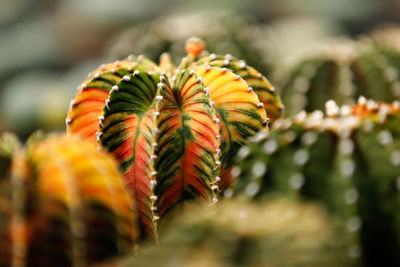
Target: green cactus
348, 160
62, 204
323, 73
343, 70
278, 232
174, 130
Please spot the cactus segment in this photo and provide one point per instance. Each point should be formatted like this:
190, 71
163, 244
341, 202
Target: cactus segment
239, 111
88, 103
186, 143
127, 132
261, 86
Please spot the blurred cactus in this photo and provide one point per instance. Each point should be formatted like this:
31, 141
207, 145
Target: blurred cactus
322, 73
348, 160
236, 233
62, 204
173, 130
376, 70
8, 144
343, 70
223, 33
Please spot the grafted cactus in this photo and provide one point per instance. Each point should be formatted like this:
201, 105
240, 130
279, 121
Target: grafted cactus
173, 130
65, 205
348, 160
278, 232
343, 70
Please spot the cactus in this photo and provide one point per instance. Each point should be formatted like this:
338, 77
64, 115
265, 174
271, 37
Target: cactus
376, 70
65, 205
347, 160
277, 232
223, 33
174, 130
8, 144
323, 73
343, 70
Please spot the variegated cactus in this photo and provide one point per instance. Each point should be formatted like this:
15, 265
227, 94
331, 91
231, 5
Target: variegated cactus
343, 70
277, 232
174, 130
62, 204
348, 160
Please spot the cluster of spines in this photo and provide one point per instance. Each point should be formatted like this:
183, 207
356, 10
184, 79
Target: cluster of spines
339, 136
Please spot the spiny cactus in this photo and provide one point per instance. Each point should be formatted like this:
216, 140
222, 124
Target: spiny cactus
343, 70
173, 130
376, 70
63, 204
324, 73
349, 161
278, 232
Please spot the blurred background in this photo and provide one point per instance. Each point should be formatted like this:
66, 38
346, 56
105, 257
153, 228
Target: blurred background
47, 47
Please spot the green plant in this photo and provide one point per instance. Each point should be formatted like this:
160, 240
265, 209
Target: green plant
223, 32
343, 70
348, 160
62, 203
277, 232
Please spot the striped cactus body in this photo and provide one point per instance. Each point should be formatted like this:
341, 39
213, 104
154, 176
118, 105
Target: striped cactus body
174, 130
261, 86
343, 70
67, 206
348, 160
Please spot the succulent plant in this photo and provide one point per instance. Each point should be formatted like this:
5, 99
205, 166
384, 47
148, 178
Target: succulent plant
278, 232
174, 130
62, 204
223, 32
324, 72
8, 144
343, 70
348, 160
